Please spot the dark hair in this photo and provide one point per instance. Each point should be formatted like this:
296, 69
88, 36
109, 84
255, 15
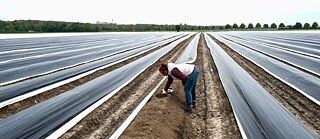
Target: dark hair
163, 67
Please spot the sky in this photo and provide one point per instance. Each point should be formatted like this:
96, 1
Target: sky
196, 12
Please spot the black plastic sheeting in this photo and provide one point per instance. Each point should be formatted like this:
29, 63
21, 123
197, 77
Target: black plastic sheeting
305, 82
21, 88
42, 63
42, 119
190, 53
257, 112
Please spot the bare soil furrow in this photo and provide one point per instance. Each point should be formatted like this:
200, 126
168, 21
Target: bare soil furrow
221, 122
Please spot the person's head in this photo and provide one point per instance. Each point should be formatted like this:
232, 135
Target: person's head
163, 69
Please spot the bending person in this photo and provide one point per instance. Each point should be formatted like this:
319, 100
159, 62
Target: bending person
188, 74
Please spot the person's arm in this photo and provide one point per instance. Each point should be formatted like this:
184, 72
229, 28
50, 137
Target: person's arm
176, 73
169, 82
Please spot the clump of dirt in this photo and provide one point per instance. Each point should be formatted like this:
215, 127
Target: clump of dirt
164, 117
300, 106
107, 117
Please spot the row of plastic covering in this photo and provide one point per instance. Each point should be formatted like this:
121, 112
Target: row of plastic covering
42, 119
20, 88
33, 60
290, 56
298, 42
257, 113
189, 55
291, 74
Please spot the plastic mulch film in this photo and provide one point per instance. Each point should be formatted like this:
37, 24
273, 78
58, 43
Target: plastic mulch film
43, 118
305, 83
258, 114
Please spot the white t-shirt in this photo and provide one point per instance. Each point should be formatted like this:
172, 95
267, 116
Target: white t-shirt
185, 69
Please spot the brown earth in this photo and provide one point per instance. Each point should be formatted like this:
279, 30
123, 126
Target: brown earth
26, 103
304, 109
164, 117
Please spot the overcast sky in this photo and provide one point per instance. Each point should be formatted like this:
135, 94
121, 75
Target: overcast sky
196, 12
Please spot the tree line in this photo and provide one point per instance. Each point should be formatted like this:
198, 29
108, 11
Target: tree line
273, 26
22, 26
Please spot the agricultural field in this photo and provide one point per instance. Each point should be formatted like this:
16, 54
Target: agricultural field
107, 85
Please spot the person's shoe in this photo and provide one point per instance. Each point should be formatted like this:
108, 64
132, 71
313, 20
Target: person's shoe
194, 104
170, 90
188, 108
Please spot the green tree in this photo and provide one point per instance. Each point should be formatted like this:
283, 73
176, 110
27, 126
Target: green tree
250, 26
273, 26
265, 26
235, 26
69, 27
57, 26
306, 26
258, 25
9, 27
242, 26
20, 26
281, 26
52, 27
298, 25
315, 25
61, 27
178, 27
2, 26
36, 27
289, 26
98, 28
228, 26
